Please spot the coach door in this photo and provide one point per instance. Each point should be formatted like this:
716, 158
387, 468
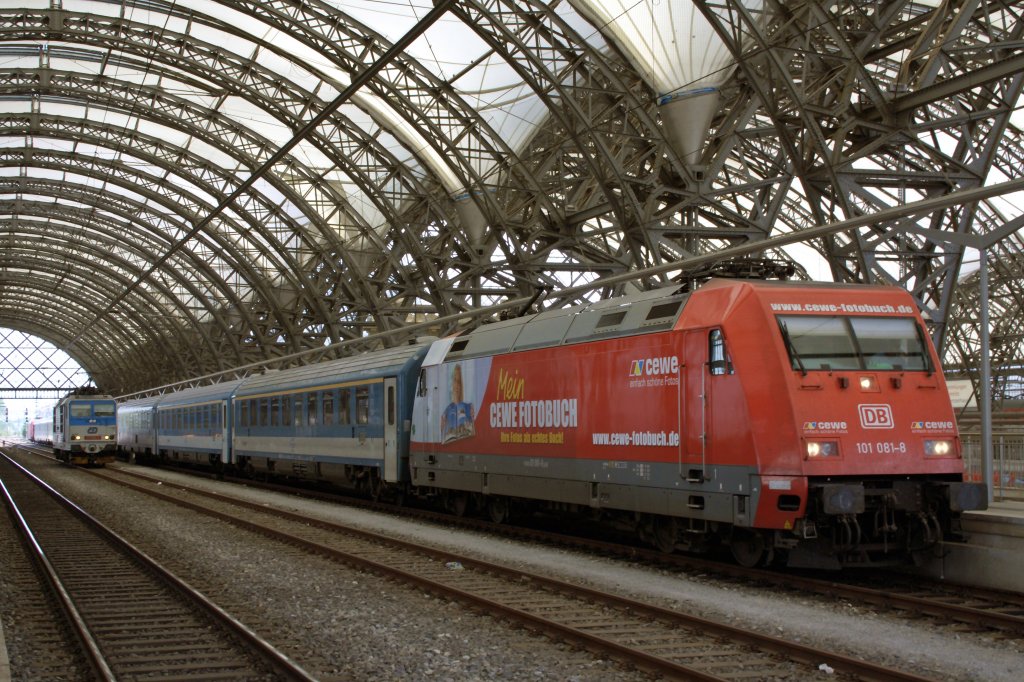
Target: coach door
390, 429
225, 440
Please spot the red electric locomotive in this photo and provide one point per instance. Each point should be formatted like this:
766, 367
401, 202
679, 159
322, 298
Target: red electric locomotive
794, 421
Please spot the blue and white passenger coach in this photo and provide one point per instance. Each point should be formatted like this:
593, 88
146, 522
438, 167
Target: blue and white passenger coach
344, 421
194, 425
136, 437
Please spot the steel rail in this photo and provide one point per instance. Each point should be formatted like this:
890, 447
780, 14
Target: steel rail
283, 665
792, 650
78, 625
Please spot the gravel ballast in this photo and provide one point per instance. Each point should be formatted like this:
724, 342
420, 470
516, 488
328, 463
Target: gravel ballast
356, 626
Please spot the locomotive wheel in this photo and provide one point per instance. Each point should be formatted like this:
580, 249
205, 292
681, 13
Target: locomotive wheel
457, 503
497, 508
666, 532
748, 547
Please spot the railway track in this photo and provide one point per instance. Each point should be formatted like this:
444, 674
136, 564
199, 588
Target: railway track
909, 594
662, 641
899, 592
130, 619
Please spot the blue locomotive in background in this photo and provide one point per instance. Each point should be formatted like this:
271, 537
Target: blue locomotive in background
84, 429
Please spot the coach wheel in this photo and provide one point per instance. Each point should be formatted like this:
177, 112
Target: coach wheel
666, 533
748, 547
497, 508
376, 486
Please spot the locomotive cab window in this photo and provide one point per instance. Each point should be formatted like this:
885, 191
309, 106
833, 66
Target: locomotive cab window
719, 362
835, 342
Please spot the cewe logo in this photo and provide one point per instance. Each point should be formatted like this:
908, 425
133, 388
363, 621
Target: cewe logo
654, 366
876, 416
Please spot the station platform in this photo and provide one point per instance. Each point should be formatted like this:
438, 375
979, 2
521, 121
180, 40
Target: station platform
994, 552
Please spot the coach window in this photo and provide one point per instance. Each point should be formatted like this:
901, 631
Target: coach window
363, 405
345, 407
286, 410
718, 356
328, 408
391, 405
243, 413
311, 409
265, 412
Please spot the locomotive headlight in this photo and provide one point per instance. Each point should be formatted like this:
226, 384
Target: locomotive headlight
76, 437
938, 448
816, 449
868, 383
108, 437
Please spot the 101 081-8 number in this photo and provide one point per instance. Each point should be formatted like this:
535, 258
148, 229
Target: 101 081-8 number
881, 448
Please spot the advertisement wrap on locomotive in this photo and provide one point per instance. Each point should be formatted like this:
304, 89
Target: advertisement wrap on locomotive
798, 423
807, 420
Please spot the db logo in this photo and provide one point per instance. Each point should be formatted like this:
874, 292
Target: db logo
876, 416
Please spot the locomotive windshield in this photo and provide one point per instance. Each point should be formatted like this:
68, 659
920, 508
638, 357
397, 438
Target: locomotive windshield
107, 409
81, 410
836, 342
